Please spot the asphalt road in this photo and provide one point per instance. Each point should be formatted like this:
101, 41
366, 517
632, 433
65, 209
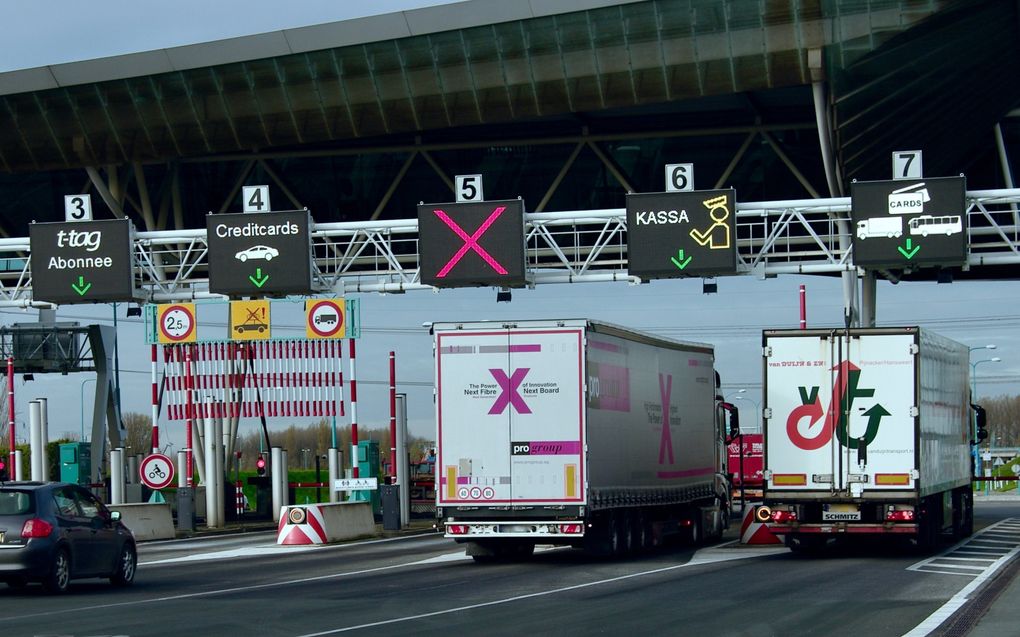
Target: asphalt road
423, 585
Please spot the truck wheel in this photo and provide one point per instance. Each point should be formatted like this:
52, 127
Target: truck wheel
620, 537
694, 532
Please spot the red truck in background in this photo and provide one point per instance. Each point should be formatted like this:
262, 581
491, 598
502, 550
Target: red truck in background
748, 474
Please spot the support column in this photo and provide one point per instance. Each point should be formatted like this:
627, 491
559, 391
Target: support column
334, 473
276, 468
35, 441
868, 298
117, 476
403, 479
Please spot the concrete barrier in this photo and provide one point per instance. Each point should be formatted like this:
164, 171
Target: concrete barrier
324, 523
147, 521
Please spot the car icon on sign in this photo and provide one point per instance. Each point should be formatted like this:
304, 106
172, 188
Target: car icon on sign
252, 326
257, 252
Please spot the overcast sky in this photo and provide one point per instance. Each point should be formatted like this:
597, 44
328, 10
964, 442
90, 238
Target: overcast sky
56, 31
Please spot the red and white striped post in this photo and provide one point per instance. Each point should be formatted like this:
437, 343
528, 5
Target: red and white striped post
803, 308
239, 497
189, 411
155, 402
354, 413
393, 415
10, 417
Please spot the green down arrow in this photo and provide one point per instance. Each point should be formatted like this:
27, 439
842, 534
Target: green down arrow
910, 250
81, 287
259, 280
679, 260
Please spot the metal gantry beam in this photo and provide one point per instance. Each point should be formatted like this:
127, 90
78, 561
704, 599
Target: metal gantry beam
774, 237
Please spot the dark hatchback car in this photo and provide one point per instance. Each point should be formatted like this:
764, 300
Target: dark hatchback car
53, 532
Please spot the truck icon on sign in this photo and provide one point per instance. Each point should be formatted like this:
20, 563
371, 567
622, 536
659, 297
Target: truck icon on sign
889, 227
329, 319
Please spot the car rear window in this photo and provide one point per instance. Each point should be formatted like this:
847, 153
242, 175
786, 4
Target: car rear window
15, 502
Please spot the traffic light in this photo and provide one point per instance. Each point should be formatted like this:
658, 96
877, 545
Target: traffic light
260, 465
3, 469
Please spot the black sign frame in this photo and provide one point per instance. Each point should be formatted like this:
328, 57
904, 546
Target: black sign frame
930, 231
260, 273
82, 261
467, 244
682, 234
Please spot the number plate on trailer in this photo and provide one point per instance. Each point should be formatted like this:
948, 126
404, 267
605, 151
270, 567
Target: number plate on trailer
841, 513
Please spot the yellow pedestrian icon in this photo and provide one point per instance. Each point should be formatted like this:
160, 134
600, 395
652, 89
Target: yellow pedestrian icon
717, 235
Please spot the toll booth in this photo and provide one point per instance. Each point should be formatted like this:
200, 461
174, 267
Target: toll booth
368, 467
76, 462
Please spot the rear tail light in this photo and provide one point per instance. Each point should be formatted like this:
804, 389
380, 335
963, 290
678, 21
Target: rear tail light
899, 515
570, 529
763, 514
457, 529
782, 517
36, 528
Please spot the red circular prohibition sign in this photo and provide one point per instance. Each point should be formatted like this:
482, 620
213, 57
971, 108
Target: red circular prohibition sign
162, 324
339, 320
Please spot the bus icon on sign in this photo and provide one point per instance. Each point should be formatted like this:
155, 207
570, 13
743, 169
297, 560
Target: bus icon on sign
928, 224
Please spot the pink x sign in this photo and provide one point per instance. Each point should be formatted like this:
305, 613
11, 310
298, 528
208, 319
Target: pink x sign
470, 242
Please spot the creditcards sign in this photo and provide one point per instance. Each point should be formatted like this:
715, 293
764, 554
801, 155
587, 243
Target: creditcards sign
266, 254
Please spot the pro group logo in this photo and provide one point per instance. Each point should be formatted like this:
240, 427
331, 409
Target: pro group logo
808, 430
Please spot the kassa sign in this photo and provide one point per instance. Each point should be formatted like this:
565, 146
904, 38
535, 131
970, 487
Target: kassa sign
472, 244
82, 261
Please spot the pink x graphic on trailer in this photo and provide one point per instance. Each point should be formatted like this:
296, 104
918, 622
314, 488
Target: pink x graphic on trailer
510, 395
470, 242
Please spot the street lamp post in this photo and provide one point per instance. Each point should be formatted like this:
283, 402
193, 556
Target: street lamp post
82, 394
973, 397
741, 395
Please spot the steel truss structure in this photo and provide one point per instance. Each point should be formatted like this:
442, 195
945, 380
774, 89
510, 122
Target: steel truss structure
776, 237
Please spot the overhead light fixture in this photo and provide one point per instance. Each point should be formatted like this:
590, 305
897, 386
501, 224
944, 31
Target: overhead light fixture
503, 295
708, 286
134, 310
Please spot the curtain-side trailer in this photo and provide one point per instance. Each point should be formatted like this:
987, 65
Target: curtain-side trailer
868, 432
575, 432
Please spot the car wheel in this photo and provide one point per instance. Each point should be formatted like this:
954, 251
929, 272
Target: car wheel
59, 577
243, 258
269, 257
124, 571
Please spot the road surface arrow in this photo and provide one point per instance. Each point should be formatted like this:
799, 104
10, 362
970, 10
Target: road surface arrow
679, 260
81, 287
910, 250
259, 280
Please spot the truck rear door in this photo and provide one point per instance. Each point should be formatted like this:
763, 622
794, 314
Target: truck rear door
510, 416
841, 412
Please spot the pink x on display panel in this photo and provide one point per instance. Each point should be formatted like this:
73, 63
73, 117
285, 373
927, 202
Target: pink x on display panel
472, 244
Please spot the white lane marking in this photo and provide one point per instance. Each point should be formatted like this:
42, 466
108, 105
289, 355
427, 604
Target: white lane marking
943, 613
268, 549
714, 555
248, 551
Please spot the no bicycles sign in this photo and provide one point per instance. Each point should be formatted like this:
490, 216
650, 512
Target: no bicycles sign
156, 471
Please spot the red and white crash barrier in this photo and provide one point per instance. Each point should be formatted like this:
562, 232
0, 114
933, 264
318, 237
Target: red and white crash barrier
301, 525
754, 532
323, 523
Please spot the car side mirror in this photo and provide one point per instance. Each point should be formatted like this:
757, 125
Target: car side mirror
115, 516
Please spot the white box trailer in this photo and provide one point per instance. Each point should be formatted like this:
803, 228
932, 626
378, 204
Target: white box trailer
867, 432
575, 432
